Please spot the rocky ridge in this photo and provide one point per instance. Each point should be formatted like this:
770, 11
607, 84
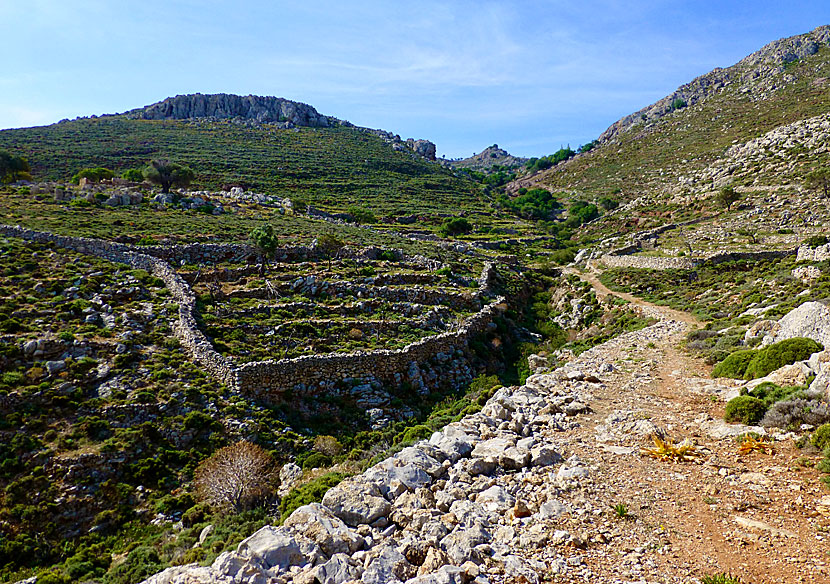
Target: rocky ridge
755, 75
779, 153
225, 106
489, 157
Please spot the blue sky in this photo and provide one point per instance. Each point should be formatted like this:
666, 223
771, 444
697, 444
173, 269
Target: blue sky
529, 75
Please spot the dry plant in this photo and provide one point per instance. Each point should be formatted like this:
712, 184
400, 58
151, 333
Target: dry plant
668, 450
751, 442
236, 477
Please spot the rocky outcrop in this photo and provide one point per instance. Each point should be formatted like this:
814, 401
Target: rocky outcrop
489, 157
752, 73
423, 148
225, 106
811, 320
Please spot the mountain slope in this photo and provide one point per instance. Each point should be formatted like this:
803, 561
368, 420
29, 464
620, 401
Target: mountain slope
653, 153
232, 140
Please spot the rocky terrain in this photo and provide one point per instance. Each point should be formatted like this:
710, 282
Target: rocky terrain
223, 106
552, 481
752, 74
614, 370
488, 158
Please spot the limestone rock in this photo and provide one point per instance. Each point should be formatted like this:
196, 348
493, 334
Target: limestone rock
320, 525
811, 320
357, 502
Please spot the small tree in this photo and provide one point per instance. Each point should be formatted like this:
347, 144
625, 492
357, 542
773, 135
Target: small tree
13, 167
93, 174
329, 245
236, 477
167, 174
819, 181
133, 175
727, 196
266, 242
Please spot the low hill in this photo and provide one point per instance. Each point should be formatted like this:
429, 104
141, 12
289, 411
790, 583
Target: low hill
268, 144
488, 158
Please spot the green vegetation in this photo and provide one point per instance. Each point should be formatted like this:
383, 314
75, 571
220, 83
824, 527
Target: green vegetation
753, 364
821, 437
455, 226
532, 204
819, 181
545, 162
720, 579
745, 409
168, 174
93, 174
676, 104
726, 197
332, 168
13, 167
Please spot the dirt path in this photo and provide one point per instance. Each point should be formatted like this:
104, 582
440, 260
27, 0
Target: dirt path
602, 291
762, 517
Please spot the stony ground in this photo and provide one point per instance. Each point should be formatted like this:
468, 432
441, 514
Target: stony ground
550, 483
763, 517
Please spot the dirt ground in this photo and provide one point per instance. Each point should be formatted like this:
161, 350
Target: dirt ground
763, 517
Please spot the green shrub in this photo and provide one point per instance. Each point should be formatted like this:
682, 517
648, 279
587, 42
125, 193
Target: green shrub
755, 363
133, 174
745, 409
141, 563
455, 226
784, 353
308, 493
816, 240
413, 434
316, 460
821, 437
734, 365
94, 174
677, 104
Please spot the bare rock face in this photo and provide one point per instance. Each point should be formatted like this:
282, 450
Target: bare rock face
811, 320
423, 148
224, 106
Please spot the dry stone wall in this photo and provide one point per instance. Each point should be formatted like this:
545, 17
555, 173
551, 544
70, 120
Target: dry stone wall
270, 379
685, 263
186, 329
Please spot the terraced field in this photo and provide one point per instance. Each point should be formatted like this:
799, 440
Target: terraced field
308, 308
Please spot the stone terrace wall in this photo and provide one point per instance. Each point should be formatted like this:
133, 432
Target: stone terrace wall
647, 262
685, 263
268, 379
186, 329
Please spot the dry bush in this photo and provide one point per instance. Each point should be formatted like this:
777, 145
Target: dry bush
328, 445
236, 477
355, 334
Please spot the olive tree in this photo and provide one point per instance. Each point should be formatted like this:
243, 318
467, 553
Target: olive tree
167, 174
266, 242
727, 196
12, 167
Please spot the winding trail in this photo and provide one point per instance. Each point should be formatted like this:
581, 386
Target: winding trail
764, 518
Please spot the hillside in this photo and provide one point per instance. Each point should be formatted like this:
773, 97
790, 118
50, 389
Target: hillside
269, 145
660, 155
490, 157
333, 359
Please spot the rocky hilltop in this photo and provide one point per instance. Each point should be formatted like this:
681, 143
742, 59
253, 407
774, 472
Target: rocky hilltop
223, 106
490, 157
754, 73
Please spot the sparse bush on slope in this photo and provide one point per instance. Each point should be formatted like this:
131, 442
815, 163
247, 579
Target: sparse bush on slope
752, 364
